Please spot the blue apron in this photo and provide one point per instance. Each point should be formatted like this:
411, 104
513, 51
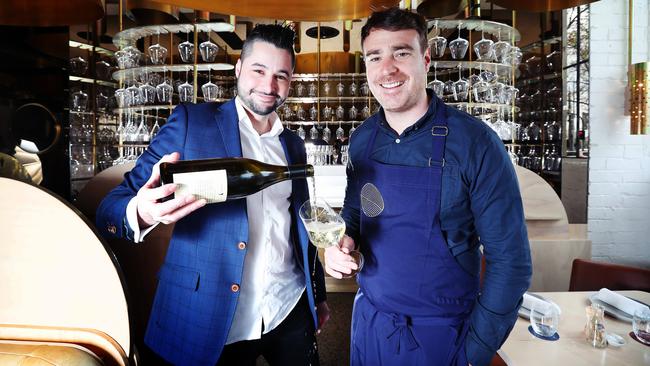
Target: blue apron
414, 299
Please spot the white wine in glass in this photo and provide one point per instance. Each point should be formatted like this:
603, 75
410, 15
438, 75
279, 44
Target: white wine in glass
325, 227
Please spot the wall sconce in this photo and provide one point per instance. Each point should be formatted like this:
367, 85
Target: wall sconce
639, 94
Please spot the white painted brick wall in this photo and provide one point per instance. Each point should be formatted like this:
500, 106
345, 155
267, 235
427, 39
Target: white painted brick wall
619, 165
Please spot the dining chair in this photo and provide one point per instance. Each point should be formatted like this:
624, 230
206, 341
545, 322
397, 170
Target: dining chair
589, 275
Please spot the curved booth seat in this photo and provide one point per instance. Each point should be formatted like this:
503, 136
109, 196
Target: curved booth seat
554, 243
140, 262
45, 354
61, 286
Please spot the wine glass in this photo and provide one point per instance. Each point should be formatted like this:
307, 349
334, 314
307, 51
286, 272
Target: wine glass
312, 90
185, 92
301, 132
301, 114
148, 93
78, 65
340, 132
313, 113
326, 228
484, 48
327, 133
352, 113
365, 89
313, 132
641, 325
458, 47
210, 91
544, 318
157, 54
340, 89
340, 112
164, 91
208, 51
186, 51
437, 43
461, 87
435, 84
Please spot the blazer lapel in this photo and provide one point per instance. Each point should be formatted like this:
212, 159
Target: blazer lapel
227, 121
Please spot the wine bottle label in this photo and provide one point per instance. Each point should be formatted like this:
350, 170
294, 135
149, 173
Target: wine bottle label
211, 185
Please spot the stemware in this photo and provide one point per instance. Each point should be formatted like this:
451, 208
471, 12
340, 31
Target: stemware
157, 54
78, 65
301, 132
208, 51
186, 51
326, 89
185, 92
327, 133
101, 101
458, 47
325, 227
435, 84
461, 87
313, 113
210, 91
484, 48
513, 57
352, 113
164, 91
353, 88
340, 89
148, 93
352, 129
365, 112
340, 112
300, 90
437, 43
301, 114
103, 70
340, 132
365, 90
79, 101
311, 90
313, 132
327, 113
501, 48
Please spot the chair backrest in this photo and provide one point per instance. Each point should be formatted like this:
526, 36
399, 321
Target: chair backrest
58, 278
592, 276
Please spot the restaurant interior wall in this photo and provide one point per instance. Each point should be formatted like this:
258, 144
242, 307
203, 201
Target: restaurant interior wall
619, 166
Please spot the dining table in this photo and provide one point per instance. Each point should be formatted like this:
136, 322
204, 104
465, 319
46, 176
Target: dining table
572, 348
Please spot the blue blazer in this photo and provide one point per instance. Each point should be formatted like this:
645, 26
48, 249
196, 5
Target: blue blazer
195, 303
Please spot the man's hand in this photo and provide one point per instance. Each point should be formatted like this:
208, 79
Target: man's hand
323, 314
338, 261
151, 211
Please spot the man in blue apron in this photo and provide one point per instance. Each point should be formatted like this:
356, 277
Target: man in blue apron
425, 181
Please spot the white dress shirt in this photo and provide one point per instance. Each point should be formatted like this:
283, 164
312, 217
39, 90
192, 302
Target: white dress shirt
271, 284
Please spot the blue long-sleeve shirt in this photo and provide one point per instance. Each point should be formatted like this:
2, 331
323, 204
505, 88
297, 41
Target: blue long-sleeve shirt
480, 205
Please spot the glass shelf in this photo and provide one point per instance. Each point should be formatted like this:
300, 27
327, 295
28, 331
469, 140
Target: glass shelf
494, 28
500, 69
129, 36
135, 72
494, 106
92, 81
166, 107
329, 123
312, 100
327, 77
96, 49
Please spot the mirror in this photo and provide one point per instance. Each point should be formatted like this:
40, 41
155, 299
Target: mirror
35, 128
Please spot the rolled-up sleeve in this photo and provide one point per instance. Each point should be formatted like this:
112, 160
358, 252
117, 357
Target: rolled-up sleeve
499, 220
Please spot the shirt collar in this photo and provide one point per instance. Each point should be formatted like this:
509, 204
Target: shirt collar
431, 111
245, 121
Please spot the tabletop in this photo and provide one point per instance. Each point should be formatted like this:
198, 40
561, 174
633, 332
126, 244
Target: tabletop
522, 348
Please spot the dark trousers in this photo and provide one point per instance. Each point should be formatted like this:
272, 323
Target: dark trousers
292, 343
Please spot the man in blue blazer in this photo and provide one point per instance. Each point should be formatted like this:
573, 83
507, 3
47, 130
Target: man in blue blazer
239, 279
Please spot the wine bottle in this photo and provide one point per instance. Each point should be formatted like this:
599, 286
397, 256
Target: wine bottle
218, 180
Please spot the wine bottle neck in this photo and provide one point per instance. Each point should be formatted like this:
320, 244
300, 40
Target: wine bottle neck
301, 171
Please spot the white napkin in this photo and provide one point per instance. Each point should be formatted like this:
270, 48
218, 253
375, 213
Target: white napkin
530, 300
619, 301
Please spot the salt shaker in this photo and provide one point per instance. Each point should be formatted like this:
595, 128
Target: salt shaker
595, 326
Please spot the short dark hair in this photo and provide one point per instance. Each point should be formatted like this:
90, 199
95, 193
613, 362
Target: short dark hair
280, 36
396, 19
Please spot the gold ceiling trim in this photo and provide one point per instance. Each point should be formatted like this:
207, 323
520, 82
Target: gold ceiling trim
50, 13
540, 5
299, 10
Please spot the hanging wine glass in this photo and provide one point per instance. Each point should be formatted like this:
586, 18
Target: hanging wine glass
365, 90
210, 91
327, 133
79, 101
501, 48
300, 90
313, 132
101, 101
340, 132
461, 87
365, 112
327, 113
340, 89
326, 89
435, 84
312, 90
313, 113
155, 128
352, 113
148, 93
186, 50
301, 114
437, 43
185, 91
164, 91
208, 50
353, 88
513, 57
458, 47
352, 129
484, 48
340, 112
301, 132
157, 53
78, 65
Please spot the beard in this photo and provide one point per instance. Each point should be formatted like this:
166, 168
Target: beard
246, 97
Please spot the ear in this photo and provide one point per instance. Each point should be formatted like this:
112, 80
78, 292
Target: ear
427, 58
238, 68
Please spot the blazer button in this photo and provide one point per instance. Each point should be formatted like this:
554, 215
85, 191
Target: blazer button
111, 229
241, 245
234, 287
